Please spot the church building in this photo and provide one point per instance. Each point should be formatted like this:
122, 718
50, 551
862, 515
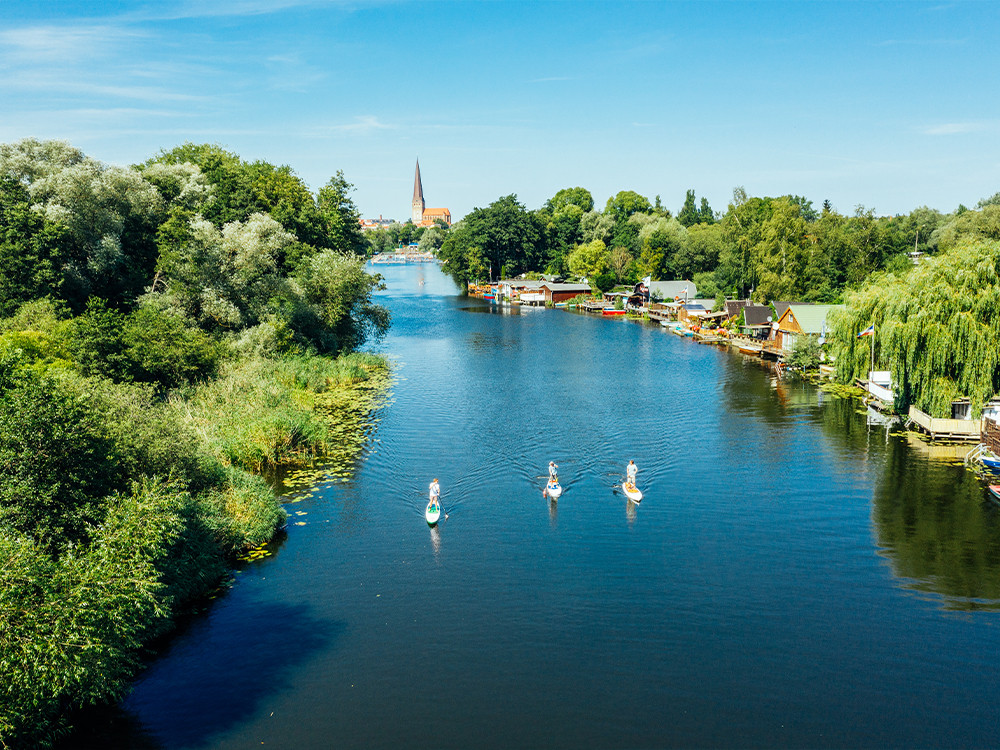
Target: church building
423, 216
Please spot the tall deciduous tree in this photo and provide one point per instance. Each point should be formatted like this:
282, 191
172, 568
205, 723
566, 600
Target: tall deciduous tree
576, 196
341, 217
589, 260
937, 329
509, 238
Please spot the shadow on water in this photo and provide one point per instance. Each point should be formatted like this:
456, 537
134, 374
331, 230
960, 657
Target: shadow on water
210, 680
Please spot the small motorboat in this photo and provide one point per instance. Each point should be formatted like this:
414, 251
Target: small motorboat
553, 489
995, 491
632, 492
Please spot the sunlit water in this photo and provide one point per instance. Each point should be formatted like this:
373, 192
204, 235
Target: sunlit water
792, 578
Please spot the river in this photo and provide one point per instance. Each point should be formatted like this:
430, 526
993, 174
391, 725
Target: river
794, 577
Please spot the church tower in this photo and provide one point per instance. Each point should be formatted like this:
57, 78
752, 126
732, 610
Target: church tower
418, 197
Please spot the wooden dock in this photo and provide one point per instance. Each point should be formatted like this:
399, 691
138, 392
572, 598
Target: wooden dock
946, 429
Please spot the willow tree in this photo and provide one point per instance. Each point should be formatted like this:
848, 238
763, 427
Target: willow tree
937, 329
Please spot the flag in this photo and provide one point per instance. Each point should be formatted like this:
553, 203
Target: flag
647, 281
869, 331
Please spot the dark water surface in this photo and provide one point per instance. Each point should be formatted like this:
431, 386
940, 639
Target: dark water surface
792, 578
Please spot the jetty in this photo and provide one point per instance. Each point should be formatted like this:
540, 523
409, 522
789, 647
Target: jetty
946, 429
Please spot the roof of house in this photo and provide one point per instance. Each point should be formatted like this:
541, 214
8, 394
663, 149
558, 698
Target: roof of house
554, 287
756, 315
780, 307
671, 289
694, 307
811, 318
708, 304
522, 283
437, 212
733, 306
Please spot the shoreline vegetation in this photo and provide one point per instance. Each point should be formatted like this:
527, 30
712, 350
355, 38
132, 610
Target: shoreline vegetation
171, 334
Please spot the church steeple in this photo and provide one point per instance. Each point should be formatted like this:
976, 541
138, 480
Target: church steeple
418, 197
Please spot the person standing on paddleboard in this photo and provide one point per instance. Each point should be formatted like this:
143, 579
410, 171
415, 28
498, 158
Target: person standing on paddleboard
630, 471
553, 468
435, 490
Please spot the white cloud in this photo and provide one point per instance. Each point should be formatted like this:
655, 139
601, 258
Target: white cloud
62, 44
955, 128
235, 8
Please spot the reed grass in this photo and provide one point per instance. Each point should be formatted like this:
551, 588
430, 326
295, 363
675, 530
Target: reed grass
263, 413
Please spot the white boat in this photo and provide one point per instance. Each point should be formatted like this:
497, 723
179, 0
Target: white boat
433, 512
553, 489
632, 492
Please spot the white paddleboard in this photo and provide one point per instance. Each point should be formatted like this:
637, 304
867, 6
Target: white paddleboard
553, 490
433, 512
632, 492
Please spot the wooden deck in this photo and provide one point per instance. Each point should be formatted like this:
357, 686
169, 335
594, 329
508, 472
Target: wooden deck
946, 429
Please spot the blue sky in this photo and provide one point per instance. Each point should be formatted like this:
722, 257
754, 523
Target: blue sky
886, 105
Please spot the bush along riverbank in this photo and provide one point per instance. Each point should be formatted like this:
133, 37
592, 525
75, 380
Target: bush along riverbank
168, 333
121, 510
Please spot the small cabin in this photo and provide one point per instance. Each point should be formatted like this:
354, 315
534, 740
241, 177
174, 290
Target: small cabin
555, 292
756, 321
801, 320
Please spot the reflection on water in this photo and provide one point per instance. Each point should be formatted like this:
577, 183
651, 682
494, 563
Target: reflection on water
436, 540
764, 598
936, 527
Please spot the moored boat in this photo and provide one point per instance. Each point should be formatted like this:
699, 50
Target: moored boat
995, 491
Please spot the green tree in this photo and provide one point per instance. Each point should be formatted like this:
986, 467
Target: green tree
805, 353
627, 202
56, 462
937, 329
341, 217
780, 252
576, 196
660, 241
621, 208
688, 215
509, 238
110, 216
338, 294
590, 260
31, 250
705, 213
241, 189
701, 251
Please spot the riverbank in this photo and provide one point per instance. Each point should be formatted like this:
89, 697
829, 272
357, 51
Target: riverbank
123, 509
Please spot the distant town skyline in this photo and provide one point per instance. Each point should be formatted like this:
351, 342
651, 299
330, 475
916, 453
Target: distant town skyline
886, 105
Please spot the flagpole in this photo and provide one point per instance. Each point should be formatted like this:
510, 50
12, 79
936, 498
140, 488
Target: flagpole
873, 351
